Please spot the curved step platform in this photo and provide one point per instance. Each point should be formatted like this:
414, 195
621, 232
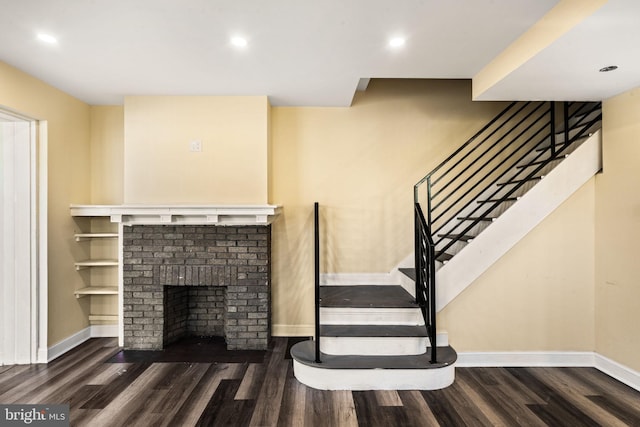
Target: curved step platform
339, 372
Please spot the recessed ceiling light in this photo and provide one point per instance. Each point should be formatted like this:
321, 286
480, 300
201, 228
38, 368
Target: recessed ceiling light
47, 38
397, 42
608, 68
239, 41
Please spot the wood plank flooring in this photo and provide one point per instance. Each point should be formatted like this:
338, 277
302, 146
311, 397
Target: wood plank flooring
250, 393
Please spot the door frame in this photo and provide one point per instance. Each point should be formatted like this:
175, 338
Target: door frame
32, 206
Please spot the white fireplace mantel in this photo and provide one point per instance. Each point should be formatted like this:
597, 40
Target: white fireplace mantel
182, 214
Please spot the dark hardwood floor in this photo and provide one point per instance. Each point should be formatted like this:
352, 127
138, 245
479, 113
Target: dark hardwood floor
103, 389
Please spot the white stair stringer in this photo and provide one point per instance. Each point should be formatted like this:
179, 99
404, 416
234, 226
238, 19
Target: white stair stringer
565, 179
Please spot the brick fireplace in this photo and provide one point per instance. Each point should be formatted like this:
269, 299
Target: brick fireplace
193, 270
196, 280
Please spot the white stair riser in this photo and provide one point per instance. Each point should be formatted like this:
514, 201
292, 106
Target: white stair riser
370, 316
374, 346
374, 379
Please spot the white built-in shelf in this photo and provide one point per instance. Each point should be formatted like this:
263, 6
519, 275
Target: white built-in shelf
97, 290
96, 263
87, 236
103, 318
101, 230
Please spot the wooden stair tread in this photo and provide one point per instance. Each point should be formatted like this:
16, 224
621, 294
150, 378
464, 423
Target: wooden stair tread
518, 181
304, 352
366, 296
443, 257
463, 237
508, 199
561, 144
409, 272
476, 218
373, 331
539, 162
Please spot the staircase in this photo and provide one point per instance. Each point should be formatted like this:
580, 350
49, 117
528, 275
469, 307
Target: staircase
479, 202
372, 338
488, 174
500, 184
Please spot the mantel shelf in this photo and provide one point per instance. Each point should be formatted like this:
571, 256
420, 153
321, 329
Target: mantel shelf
181, 214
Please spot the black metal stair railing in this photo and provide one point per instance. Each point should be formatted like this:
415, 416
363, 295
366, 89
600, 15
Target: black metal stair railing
481, 178
497, 165
425, 266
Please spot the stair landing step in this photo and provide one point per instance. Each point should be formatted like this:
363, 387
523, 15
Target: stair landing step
373, 331
304, 352
339, 372
366, 296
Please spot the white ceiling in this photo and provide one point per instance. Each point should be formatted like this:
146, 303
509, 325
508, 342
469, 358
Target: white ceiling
304, 52
569, 68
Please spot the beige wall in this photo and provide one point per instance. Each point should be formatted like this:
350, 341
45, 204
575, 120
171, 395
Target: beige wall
107, 188
618, 232
232, 167
540, 295
68, 182
360, 164
107, 155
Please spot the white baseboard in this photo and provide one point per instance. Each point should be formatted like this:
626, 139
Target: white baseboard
280, 330
589, 359
69, 343
620, 372
42, 355
529, 358
344, 279
104, 331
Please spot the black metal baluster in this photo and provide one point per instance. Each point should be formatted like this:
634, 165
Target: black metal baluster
317, 276
566, 123
552, 122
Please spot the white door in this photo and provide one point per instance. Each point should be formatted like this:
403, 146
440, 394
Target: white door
20, 297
